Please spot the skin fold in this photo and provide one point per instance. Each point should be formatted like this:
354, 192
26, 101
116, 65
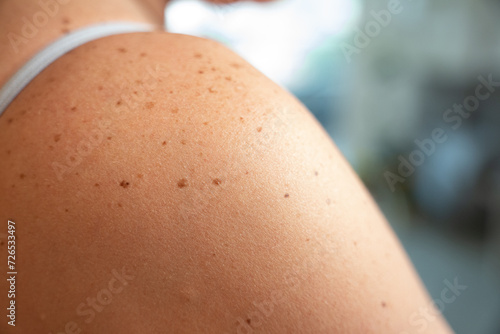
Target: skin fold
161, 184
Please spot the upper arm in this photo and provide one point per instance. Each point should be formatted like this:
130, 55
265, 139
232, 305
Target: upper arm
215, 188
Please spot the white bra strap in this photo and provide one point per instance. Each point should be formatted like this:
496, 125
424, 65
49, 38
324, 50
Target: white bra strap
55, 50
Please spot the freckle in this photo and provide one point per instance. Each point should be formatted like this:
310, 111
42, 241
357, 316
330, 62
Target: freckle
183, 142
316, 173
228, 78
241, 119
119, 102
109, 138
66, 210
217, 181
124, 184
183, 130
139, 176
213, 69
52, 79
355, 243
99, 88
246, 173
175, 110
23, 112
249, 321
13, 186
73, 109
65, 30
287, 195
197, 55
205, 123
143, 54
236, 65
259, 129
96, 185
139, 82
122, 50
201, 72
328, 201
149, 105
1, 244
164, 143
182, 183
120, 205
10, 120
22, 176
8, 152
307, 240
77, 174
171, 92
65, 20
212, 90
57, 138
213, 254
384, 304
201, 154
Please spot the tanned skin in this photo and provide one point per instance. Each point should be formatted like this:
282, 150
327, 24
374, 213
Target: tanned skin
161, 184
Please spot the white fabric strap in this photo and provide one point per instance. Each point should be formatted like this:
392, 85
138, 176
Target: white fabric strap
55, 50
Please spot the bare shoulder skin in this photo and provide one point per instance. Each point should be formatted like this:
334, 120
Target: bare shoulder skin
160, 184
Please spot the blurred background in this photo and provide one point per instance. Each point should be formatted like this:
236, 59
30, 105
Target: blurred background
382, 77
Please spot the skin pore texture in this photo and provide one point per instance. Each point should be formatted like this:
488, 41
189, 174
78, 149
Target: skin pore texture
160, 184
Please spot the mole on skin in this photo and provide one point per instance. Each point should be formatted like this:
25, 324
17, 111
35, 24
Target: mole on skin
182, 183
124, 184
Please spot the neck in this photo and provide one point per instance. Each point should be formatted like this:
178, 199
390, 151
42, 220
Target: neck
27, 26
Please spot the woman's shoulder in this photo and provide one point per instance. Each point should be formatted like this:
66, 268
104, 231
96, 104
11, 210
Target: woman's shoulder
226, 203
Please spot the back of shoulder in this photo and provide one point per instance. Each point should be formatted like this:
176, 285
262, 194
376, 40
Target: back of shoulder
173, 157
